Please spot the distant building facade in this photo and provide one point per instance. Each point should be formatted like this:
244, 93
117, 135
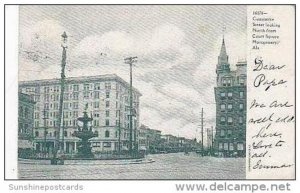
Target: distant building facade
149, 139
107, 98
25, 123
230, 97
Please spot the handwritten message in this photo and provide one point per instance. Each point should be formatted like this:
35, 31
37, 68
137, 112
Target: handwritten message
271, 101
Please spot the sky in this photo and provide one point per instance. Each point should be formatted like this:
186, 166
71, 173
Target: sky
177, 49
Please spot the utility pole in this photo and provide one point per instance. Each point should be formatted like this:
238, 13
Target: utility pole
45, 132
130, 61
202, 132
207, 138
58, 145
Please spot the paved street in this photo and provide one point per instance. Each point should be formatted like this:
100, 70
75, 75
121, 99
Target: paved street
166, 166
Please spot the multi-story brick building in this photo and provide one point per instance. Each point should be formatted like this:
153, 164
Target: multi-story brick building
230, 97
25, 124
107, 98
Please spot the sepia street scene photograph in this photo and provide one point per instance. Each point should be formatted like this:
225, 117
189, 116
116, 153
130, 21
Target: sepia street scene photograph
139, 92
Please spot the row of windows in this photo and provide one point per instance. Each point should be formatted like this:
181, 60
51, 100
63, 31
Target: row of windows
98, 144
229, 133
75, 87
73, 114
230, 146
228, 81
107, 134
230, 95
68, 88
67, 123
230, 106
74, 105
230, 120
23, 128
24, 112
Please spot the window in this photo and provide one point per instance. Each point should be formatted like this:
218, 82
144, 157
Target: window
55, 106
56, 88
36, 124
223, 94
240, 146
37, 98
75, 105
107, 122
96, 123
96, 144
75, 87
107, 95
96, 115
66, 97
222, 133
56, 97
65, 133
242, 81
97, 86
223, 106
231, 148
229, 132
230, 95
107, 113
220, 146
96, 104
222, 120
228, 82
241, 106
106, 133
106, 144
241, 94
75, 95
86, 95
36, 134
96, 95
107, 104
46, 89
229, 107
224, 82
241, 120
36, 115
25, 128
86, 87
225, 146
66, 105
107, 86
229, 120
117, 95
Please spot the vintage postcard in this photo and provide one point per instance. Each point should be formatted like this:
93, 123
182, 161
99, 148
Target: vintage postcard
153, 92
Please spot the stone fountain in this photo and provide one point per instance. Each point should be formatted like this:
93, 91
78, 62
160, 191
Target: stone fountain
84, 134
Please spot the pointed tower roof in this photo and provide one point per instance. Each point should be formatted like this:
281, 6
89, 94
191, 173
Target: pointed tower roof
223, 48
223, 57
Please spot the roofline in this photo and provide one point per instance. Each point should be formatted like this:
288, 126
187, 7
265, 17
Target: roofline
80, 79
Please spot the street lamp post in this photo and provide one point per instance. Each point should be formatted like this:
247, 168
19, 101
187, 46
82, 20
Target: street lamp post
58, 145
130, 61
